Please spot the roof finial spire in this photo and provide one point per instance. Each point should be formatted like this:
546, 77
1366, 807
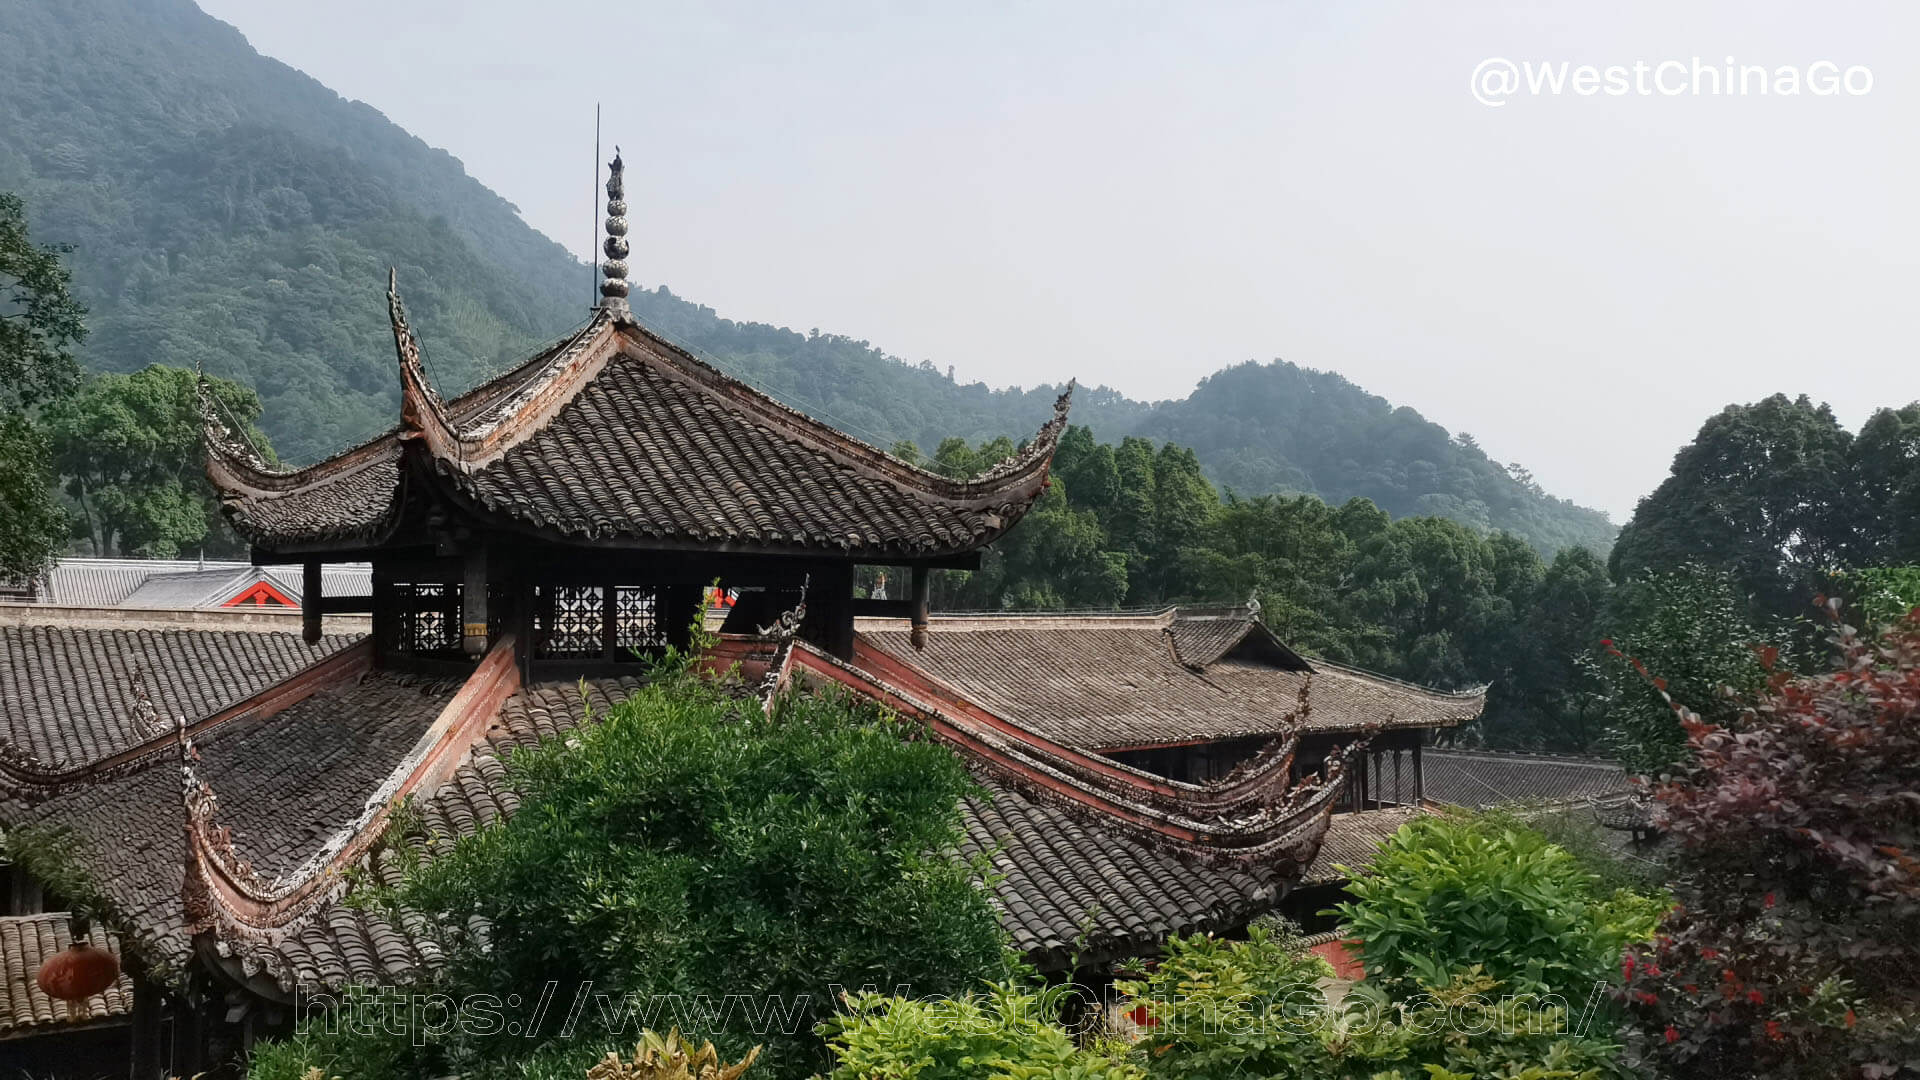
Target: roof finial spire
613, 291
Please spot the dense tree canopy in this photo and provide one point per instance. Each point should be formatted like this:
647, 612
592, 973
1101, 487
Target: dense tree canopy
1776, 495
40, 324
127, 448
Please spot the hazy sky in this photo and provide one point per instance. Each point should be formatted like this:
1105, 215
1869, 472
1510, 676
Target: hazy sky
1138, 195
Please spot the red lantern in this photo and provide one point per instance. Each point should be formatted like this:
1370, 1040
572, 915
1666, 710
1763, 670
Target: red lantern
77, 973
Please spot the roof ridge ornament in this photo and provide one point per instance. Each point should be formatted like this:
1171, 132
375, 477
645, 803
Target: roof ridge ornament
422, 412
143, 715
217, 436
613, 290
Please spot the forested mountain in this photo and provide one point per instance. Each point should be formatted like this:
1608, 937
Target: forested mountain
228, 211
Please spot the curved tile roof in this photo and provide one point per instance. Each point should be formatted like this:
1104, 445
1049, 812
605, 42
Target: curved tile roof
617, 436
1112, 682
285, 782
1479, 779
1064, 885
66, 694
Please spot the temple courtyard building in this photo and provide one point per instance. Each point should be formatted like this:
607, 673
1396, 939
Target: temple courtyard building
535, 539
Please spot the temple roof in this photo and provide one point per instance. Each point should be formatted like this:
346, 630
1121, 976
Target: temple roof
1479, 779
288, 783
69, 697
179, 583
1115, 682
285, 791
1064, 884
615, 436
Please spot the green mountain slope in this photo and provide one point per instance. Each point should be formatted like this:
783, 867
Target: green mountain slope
228, 211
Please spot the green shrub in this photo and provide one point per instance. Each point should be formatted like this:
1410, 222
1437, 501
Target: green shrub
691, 853
1221, 1010
1005, 1035
324, 1057
1446, 894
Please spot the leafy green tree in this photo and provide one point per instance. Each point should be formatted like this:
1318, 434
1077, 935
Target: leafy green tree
1456, 894
40, 323
1129, 521
1544, 697
1293, 554
1880, 596
1429, 583
689, 844
1886, 461
128, 448
1766, 493
1089, 470
1690, 629
1183, 503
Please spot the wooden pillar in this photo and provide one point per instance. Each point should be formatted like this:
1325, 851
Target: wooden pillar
1399, 796
680, 607
523, 623
1419, 781
310, 602
473, 602
144, 1063
829, 621
922, 593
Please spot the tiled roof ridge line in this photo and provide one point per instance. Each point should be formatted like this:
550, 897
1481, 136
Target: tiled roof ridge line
470, 448
1162, 613
423, 415
1016, 470
233, 466
537, 375
1468, 694
1267, 828
267, 480
1138, 783
509, 422
43, 780
225, 894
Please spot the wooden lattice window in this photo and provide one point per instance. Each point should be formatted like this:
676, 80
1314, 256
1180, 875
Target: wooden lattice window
598, 622
637, 623
568, 620
425, 618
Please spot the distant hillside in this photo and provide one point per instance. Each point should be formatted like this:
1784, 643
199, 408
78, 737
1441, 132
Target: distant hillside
228, 210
